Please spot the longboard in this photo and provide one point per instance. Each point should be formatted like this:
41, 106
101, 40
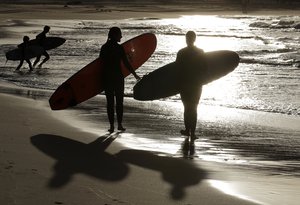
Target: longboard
86, 83
30, 52
49, 43
164, 81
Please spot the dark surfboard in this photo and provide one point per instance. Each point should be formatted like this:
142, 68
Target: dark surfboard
164, 82
30, 52
49, 43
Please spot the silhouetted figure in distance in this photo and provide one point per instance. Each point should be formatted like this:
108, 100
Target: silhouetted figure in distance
41, 39
23, 47
112, 53
192, 65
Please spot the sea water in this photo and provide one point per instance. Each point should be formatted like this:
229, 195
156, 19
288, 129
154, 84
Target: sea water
265, 84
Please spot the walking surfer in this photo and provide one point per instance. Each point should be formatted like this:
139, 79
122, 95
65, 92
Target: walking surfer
113, 54
41, 39
192, 64
23, 47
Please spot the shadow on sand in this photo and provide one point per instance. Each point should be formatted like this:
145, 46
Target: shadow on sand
180, 173
76, 157
91, 159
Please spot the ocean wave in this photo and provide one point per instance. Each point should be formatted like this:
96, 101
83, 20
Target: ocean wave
236, 17
140, 27
260, 25
282, 24
279, 110
282, 57
262, 52
87, 25
204, 34
274, 62
146, 18
92, 28
297, 26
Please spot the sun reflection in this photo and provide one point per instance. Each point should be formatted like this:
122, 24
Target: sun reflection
148, 144
204, 26
211, 22
221, 90
213, 33
227, 189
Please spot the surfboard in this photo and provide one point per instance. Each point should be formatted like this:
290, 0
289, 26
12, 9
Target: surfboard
49, 43
164, 81
86, 83
30, 52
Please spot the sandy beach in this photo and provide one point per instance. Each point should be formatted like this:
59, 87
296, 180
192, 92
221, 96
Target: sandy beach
55, 158
45, 160
59, 157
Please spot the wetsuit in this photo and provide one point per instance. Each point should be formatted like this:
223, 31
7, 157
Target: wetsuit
112, 54
192, 65
23, 47
41, 41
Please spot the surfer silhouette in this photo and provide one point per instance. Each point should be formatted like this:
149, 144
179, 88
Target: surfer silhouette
113, 54
192, 64
40, 39
23, 47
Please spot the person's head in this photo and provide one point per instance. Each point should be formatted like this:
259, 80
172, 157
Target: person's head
46, 29
190, 38
25, 39
115, 34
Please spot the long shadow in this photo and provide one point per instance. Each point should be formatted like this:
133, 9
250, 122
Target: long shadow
91, 159
179, 173
76, 157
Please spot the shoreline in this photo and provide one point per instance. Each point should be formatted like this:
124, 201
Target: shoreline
34, 120
26, 162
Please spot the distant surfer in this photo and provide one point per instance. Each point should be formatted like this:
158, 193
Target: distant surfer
23, 47
113, 54
41, 37
192, 64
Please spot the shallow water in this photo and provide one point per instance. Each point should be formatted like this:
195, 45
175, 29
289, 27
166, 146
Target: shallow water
267, 78
247, 117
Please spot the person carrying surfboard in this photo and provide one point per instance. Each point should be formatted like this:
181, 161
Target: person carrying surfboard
190, 60
113, 54
23, 47
41, 38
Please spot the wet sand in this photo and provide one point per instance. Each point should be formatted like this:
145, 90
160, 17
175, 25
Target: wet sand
58, 158
45, 160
